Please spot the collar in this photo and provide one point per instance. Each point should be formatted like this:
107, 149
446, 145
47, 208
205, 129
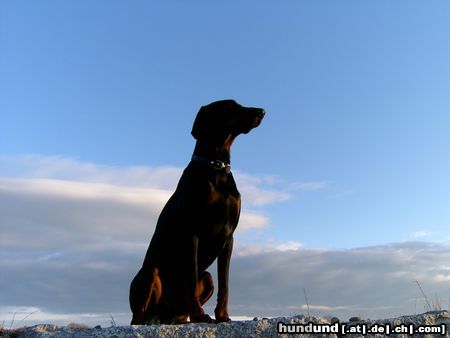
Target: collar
217, 165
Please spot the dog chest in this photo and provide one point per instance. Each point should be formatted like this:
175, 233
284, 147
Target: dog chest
222, 211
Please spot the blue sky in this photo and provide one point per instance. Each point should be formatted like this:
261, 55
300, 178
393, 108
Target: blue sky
352, 155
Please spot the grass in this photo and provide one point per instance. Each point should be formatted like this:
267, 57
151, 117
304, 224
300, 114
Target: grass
306, 300
113, 322
12, 333
434, 305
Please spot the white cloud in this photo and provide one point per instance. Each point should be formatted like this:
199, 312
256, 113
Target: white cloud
374, 282
69, 229
252, 221
71, 242
256, 190
255, 196
440, 277
86, 204
419, 234
266, 189
291, 245
269, 246
45, 213
69, 169
88, 191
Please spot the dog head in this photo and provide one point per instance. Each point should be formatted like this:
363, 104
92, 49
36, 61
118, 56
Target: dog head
218, 120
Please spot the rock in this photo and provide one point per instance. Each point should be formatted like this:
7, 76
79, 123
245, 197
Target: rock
356, 319
266, 328
334, 320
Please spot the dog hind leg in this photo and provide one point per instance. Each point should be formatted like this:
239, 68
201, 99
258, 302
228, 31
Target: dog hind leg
206, 286
145, 293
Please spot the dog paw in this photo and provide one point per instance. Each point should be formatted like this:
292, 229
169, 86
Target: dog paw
203, 318
221, 315
153, 321
222, 319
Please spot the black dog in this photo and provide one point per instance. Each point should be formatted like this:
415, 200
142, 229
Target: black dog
196, 226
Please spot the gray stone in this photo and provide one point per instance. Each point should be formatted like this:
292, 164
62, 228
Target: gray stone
252, 328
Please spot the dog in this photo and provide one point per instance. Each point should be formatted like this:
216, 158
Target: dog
195, 226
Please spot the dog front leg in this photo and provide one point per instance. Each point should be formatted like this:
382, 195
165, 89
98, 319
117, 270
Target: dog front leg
196, 313
223, 267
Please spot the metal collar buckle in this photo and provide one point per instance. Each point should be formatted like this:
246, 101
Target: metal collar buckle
217, 165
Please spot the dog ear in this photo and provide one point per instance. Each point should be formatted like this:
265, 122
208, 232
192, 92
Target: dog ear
210, 124
200, 127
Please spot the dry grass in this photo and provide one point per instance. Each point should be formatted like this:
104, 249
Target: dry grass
434, 305
306, 300
9, 333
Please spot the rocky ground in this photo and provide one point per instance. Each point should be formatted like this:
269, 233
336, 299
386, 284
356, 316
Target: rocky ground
430, 324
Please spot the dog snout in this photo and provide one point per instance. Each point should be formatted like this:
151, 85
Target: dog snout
257, 116
256, 112
261, 114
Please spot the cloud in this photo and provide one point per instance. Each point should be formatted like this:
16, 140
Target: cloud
376, 282
419, 234
69, 169
441, 278
257, 190
44, 213
74, 234
261, 190
251, 221
42, 195
269, 246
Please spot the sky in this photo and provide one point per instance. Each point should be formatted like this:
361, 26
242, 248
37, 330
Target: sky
345, 183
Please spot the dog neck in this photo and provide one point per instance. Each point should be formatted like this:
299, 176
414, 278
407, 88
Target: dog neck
214, 152
214, 156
